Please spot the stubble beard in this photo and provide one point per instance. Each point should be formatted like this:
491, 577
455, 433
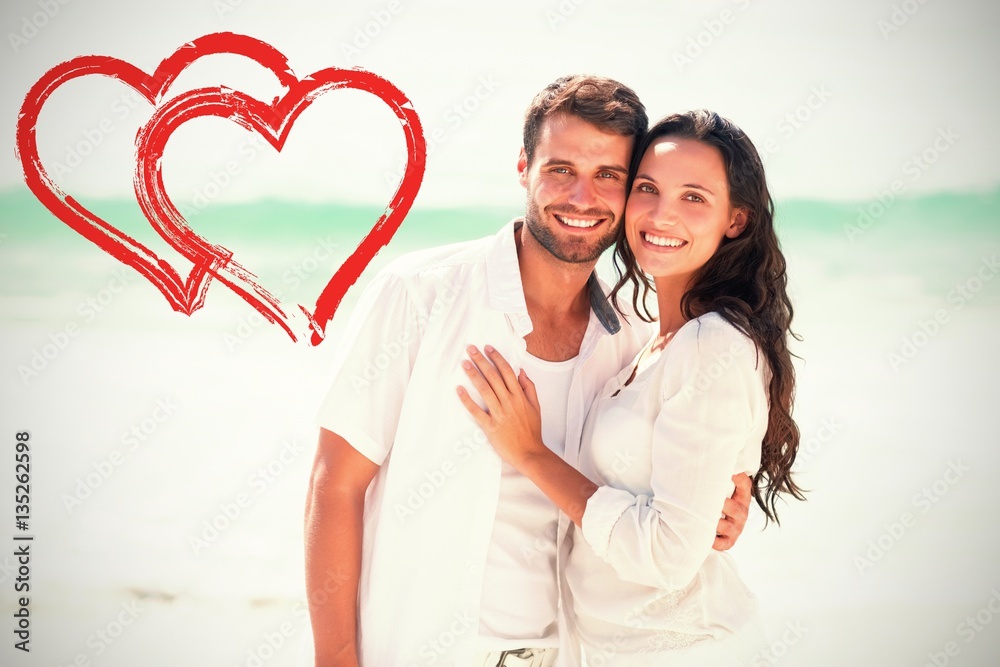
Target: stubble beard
578, 251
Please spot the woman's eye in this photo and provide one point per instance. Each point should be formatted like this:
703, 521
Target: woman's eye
645, 187
694, 198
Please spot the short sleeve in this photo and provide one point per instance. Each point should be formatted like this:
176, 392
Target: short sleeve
371, 368
710, 425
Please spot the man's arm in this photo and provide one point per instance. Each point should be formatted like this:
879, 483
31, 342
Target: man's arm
333, 533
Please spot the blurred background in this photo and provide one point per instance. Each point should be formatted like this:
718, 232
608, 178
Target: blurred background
170, 454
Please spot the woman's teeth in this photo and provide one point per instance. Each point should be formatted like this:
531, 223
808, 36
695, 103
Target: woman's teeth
663, 241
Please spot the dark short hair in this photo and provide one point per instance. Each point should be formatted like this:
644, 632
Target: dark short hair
606, 103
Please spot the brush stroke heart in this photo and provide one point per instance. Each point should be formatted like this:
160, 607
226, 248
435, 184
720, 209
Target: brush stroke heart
184, 295
274, 122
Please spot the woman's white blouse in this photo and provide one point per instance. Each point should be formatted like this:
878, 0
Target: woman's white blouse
663, 450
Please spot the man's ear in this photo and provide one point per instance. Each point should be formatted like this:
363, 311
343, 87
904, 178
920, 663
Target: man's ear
522, 168
738, 223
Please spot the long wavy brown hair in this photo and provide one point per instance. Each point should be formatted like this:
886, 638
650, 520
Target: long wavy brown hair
744, 281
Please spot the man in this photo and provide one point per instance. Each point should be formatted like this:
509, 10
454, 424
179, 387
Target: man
422, 548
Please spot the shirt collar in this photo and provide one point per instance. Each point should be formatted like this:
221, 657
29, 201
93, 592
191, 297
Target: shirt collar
506, 292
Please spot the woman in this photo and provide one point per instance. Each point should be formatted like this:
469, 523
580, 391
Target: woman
709, 396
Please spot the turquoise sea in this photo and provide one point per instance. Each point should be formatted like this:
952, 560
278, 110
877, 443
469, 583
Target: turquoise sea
148, 426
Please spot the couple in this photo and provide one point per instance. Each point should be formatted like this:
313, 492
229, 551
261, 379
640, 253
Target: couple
593, 530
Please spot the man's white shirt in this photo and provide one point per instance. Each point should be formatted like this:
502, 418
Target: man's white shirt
520, 604
429, 512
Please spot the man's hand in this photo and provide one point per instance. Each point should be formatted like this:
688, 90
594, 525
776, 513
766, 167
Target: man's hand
735, 511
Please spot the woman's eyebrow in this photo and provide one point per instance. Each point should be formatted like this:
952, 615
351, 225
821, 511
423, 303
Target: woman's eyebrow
698, 187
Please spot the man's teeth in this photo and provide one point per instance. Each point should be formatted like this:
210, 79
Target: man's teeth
573, 222
663, 241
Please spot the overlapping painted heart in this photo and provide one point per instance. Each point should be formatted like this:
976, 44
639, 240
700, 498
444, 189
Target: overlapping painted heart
272, 121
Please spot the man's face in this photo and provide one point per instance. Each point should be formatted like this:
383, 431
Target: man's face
576, 187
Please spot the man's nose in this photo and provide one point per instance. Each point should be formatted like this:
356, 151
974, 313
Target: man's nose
583, 194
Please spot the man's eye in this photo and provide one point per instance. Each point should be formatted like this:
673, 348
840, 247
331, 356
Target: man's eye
560, 170
608, 174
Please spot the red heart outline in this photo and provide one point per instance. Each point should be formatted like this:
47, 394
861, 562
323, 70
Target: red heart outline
274, 122
184, 296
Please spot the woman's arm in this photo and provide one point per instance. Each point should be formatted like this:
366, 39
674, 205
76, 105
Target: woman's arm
712, 418
658, 540
514, 428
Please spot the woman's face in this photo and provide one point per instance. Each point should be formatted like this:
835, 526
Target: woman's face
679, 210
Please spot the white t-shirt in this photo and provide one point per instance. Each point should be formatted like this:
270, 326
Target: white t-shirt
520, 597
664, 449
429, 511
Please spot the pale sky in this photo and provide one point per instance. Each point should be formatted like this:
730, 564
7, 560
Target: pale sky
838, 96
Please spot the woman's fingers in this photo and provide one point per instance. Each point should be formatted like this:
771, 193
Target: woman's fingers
477, 412
489, 371
482, 385
529, 390
506, 372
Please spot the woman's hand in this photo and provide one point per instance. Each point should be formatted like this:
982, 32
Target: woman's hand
512, 420
513, 423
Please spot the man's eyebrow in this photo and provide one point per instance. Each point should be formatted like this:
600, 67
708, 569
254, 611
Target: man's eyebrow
611, 167
554, 162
